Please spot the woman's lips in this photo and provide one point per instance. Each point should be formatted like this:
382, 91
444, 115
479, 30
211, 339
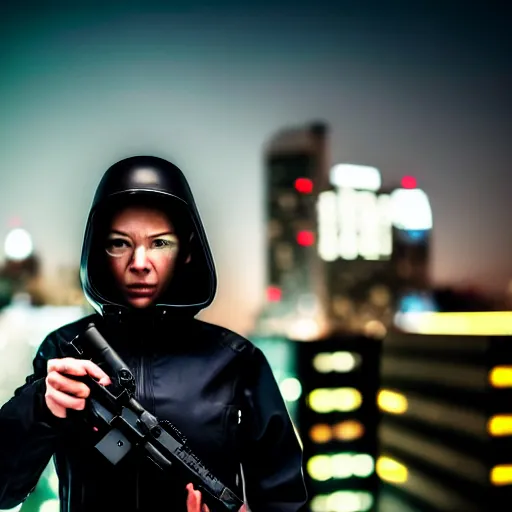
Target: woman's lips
141, 290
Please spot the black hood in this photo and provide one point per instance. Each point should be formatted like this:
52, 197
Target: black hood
156, 182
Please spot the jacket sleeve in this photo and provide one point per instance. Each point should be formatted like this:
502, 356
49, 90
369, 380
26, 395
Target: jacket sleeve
28, 433
271, 453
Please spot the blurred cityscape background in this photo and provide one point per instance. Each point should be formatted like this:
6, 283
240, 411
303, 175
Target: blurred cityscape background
351, 168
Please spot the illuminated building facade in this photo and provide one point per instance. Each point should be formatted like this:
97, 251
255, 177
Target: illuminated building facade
446, 433
356, 245
412, 234
375, 247
338, 419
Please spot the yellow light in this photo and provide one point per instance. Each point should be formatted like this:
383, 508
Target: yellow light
341, 362
325, 400
484, 323
340, 466
319, 467
500, 425
348, 430
390, 470
501, 475
320, 433
342, 501
392, 402
501, 377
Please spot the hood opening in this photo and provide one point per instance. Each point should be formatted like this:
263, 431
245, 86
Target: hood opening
193, 284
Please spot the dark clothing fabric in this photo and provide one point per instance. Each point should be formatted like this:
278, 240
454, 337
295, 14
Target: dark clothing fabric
215, 386
212, 384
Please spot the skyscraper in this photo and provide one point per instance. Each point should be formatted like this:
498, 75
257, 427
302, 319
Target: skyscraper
295, 168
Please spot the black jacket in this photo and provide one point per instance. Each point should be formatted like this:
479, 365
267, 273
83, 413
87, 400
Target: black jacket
212, 384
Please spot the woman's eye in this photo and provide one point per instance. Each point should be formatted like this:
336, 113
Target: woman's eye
163, 243
117, 246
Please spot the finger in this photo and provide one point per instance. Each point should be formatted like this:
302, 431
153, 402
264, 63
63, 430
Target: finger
67, 385
193, 499
78, 367
55, 409
67, 365
64, 400
205, 508
95, 371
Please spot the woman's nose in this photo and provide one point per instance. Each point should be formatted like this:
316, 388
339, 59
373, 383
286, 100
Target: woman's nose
140, 259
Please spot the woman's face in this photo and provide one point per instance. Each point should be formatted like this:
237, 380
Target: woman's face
142, 249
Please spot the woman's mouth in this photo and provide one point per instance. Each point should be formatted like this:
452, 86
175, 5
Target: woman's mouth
141, 290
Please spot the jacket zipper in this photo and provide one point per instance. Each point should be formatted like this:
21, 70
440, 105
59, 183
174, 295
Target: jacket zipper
141, 392
142, 381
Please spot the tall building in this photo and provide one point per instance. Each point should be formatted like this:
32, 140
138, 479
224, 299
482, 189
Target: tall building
295, 169
374, 243
356, 246
338, 421
412, 237
446, 434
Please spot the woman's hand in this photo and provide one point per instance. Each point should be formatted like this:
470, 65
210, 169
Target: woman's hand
62, 391
194, 501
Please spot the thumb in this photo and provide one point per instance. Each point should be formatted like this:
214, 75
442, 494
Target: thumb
193, 499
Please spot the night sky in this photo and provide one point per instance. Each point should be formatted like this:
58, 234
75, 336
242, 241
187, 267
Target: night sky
406, 89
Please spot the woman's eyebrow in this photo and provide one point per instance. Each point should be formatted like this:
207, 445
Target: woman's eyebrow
164, 233
117, 232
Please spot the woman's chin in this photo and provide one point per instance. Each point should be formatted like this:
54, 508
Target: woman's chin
140, 302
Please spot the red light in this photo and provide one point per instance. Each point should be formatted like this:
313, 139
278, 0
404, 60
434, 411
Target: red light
304, 185
273, 294
408, 182
305, 238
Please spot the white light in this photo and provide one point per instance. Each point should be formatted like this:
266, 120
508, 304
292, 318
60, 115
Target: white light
50, 506
18, 244
290, 389
410, 209
327, 226
384, 214
348, 221
304, 329
354, 224
369, 226
53, 482
360, 177
363, 465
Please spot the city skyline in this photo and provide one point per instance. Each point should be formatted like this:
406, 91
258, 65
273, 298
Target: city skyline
206, 88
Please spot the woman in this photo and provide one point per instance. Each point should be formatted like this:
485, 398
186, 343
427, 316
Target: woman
147, 270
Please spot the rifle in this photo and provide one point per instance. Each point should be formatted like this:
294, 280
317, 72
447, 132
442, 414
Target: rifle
128, 425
